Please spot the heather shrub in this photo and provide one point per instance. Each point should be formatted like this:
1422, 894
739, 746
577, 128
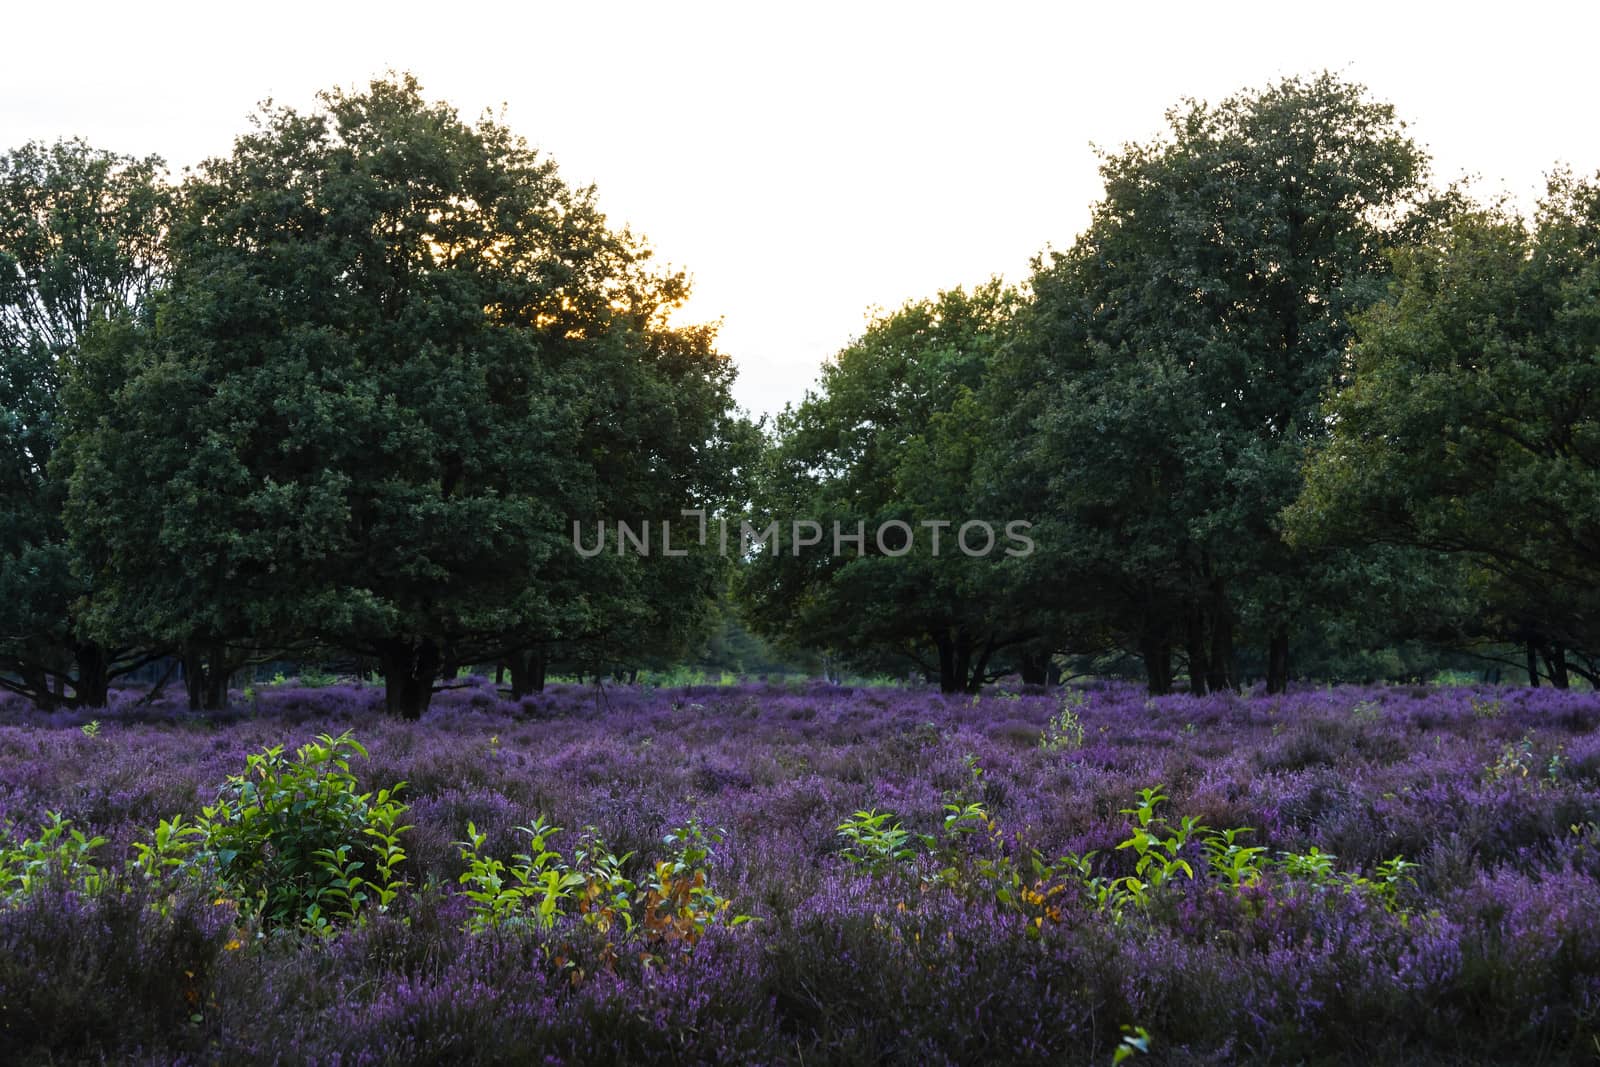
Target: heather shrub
1311, 882
863, 976
91, 977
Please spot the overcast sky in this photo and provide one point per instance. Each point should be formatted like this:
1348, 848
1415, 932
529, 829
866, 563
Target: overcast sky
807, 163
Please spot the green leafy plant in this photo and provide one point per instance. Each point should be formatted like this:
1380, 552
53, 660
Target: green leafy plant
1389, 880
1556, 768
90, 729
292, 837
1312, 867
608, 895
1238, 866
530, 891
1065, 730
172, 848
1486, 709
1135, 1042
1516, 761
59, 851
680, 904
1157, 845
878, 842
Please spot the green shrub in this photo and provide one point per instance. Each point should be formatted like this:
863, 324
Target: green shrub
877, 841
1065, 730
298, 843
530, 891
59, 854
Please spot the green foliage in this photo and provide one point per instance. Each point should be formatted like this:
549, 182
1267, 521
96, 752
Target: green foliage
1390, 879
1135, 1042
894, 432
409, 358
530, 891
680, 903
171, 848
878, 842
59, 852
292, 837
1312, 867
1237, 865
1461, 424
1166, 378
1518, 762
676, 906
1486, 709
973, 857
1157, 846
80, 242
608, 896
1065, 730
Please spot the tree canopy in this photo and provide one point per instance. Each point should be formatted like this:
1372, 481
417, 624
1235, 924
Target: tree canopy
1469, 420
81, 242
404, 357
892, 440
1170, 365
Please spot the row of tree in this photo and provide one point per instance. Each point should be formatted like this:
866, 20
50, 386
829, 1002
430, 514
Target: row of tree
1281, 393
345, 391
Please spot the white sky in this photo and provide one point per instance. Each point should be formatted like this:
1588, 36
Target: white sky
809, 162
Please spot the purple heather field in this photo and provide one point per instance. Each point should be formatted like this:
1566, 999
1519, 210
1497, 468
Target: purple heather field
981, 939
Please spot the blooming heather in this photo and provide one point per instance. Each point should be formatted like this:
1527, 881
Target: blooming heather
1487, 950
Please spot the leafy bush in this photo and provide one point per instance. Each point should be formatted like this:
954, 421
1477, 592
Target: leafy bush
292, 838
539, 887
878, 842
680, 904
60, 855
1065, 730
530, 891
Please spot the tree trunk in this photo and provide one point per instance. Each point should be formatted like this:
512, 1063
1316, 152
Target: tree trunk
206, 673
193, 678
1157, 656
37, 683
1221, 674
1278, 660
980, 668
1194, 643
1035, 668
409, 670
216, 691
947, 662
1533, 665
528, 672
1555, 661
963, 667
93, 687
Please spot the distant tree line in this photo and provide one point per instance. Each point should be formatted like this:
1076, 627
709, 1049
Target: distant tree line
1283, 410
1281, 405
